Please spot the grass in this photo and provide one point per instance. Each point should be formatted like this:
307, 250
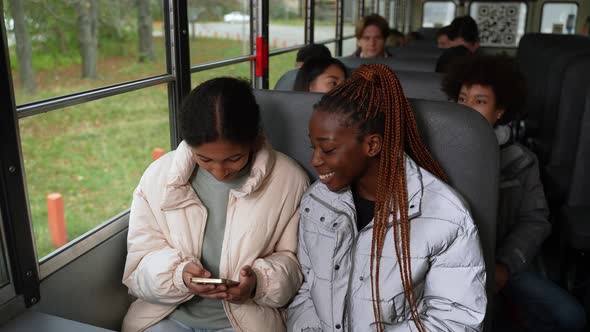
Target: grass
94, 153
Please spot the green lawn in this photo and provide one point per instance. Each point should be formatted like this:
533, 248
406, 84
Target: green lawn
94, 153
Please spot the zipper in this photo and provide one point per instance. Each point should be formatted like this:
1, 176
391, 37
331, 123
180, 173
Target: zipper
355, 234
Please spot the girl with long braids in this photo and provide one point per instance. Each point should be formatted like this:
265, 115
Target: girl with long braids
384, 243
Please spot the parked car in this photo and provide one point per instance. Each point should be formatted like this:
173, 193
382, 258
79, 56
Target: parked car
236, 17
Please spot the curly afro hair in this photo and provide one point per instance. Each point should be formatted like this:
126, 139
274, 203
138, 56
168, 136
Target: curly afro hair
220, 108
500, 73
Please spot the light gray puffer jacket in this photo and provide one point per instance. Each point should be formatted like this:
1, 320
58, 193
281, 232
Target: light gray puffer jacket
447, 263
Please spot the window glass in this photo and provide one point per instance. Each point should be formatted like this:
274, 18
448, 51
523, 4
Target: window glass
93, 155
437, 14
559, 18
218, 29
325, 21
239, 70
286, 26
70, 46
349, 18
501, 24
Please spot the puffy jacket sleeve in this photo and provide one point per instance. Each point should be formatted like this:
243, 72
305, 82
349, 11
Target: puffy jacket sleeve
531, 227
153, 269
301, 313
454, 290
278, 275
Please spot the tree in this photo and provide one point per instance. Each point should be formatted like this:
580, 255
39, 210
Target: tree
23, 47
144, 27
88, 36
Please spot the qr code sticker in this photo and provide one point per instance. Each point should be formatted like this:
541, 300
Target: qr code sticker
498, 24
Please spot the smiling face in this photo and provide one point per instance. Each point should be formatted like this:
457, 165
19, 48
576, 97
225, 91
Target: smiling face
223, 159
372, 42
339, 157
482, 99
326, 81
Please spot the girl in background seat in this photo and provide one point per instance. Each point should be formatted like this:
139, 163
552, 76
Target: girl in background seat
320, 75
222, 205
384, 243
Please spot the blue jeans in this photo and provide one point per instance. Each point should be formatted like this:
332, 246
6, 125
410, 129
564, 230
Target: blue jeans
543, 305
171, 325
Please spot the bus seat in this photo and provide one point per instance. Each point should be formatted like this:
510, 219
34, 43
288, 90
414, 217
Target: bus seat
429, 34
576, 213
542, 59
416, 84
561, 146
287, 80
415, 53
89, 289
459, 139
427, 65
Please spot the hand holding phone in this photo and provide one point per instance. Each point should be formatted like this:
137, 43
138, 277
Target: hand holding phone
205, 290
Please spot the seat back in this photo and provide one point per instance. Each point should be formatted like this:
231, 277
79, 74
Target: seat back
579, 190
416, 84
395, 63
561, 143
460, 139
415, 53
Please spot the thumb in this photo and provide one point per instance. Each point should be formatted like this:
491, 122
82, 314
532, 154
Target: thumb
246, 272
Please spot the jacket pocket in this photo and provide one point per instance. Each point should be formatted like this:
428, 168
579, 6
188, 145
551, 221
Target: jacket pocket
320, 249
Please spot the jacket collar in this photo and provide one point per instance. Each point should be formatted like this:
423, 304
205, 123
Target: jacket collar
344, 202
179, 193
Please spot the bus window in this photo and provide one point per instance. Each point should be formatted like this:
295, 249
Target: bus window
63, 47
501, 24
437, 14
325, 21
286, 25
348, 27
93, 155
239, 70
559, 17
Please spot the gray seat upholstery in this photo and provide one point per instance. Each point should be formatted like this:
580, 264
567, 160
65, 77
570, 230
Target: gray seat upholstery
459, 139
562, 144
394, 63
576, 213
543, 59
419, 85
415, 53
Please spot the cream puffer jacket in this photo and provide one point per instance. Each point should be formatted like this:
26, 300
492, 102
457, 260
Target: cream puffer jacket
166, 228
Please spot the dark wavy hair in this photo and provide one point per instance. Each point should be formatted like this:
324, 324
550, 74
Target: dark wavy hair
313, 51
312, 68
465, 27
500, 73
220, 108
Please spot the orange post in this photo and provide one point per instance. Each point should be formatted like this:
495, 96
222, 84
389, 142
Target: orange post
284, 43
157, 153
56, 219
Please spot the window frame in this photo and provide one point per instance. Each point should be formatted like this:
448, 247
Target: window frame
435, 1
559, 3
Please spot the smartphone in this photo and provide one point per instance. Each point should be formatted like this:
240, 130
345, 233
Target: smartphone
214, 281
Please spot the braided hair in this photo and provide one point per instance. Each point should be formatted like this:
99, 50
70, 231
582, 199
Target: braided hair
373, 101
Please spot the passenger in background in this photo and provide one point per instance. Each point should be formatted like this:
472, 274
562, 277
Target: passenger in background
381, 204
442, 37
464, 39
495, 88
395, 39
223, 205
371, 33
413, 35
311, 51
320, 75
